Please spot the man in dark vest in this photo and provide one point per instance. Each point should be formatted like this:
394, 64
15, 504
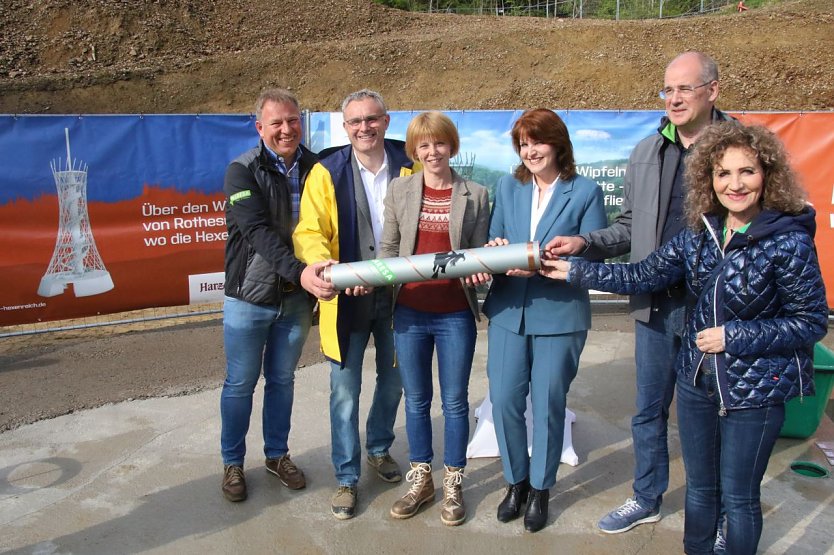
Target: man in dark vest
267, 310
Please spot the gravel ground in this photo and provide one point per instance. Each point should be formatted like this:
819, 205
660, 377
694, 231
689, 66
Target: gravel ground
182, 56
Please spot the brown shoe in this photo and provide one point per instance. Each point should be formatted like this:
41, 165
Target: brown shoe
421, 491
343, 503
289, 474
386, 467
234, 483
452, 509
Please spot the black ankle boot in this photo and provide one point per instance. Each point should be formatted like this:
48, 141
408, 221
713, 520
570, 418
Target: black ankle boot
536, 515
515, 497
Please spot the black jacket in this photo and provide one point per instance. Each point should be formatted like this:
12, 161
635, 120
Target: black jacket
260, 262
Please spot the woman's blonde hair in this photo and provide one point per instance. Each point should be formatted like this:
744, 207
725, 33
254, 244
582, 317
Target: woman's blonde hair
431, 125
782, 190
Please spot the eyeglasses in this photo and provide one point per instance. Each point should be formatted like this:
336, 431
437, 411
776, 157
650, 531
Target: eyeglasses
372, 121
685, 91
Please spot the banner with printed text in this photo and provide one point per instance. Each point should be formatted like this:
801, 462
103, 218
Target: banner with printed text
103, 214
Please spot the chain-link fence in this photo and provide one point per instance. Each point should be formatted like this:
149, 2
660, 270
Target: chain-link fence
603, 9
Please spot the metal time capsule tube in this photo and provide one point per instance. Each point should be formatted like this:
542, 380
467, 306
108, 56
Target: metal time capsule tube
441, 265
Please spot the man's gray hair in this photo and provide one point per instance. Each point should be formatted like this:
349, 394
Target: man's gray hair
274, 94
362, 95
709, 67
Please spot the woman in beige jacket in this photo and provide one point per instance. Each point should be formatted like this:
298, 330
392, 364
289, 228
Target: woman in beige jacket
434, 211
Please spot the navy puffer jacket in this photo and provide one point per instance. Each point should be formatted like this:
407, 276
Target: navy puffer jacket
765, 288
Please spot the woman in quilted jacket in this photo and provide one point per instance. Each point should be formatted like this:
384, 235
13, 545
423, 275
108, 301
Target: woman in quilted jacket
756, 307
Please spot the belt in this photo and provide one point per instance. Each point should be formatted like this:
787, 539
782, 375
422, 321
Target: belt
288, 287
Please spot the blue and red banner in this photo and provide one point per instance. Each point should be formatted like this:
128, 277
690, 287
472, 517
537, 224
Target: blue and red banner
144, 193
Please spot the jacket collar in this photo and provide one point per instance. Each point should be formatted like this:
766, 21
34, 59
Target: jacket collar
561, 195
768, 222
339, 157
266, 158
669, 130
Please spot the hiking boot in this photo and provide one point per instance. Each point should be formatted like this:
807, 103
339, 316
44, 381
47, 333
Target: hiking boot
234, 483
626, 517
452, 509
421, 491
343, 503
289, 474
386, 467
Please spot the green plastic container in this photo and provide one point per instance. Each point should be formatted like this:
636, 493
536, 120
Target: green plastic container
803, 414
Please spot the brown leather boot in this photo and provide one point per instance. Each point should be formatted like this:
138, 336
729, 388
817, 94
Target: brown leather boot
452, 510
420, 492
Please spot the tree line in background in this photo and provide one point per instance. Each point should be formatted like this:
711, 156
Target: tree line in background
603, 9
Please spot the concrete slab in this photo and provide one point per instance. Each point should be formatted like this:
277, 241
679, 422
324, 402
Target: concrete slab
144, 477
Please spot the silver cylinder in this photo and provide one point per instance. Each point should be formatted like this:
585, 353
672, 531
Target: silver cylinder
441, 265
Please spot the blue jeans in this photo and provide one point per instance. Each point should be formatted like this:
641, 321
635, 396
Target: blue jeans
345, 385
656, 349
416, 334
725, 459
253, 336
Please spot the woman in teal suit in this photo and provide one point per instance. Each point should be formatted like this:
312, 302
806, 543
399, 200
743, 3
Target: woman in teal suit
537, 327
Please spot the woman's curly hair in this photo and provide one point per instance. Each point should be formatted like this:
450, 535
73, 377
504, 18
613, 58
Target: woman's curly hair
782, 190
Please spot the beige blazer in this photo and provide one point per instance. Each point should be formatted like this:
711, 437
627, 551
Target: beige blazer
468, 220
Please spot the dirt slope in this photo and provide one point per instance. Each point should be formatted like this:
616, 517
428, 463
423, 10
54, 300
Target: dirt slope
119, 56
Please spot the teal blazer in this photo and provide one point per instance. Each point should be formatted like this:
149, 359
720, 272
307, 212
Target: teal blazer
539, 305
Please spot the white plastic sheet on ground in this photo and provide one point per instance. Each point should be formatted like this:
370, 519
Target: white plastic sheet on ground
485, 444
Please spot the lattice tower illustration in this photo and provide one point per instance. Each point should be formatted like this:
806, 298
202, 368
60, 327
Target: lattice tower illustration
76, 259
464, 164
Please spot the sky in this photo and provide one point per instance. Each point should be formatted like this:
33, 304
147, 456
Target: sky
596, 135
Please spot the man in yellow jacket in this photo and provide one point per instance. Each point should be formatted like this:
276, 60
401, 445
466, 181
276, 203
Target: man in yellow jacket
341, 218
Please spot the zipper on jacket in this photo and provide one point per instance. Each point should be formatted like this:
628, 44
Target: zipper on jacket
722, 410
698, 369
242, 266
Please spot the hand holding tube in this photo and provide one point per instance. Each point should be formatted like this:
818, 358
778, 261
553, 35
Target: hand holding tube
555, 268
313, 281
566, 245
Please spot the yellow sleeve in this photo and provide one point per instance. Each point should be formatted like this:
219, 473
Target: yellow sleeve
412, 170
316, 236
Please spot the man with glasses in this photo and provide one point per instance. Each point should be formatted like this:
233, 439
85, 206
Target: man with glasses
341, 218
652, 213
266, 312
